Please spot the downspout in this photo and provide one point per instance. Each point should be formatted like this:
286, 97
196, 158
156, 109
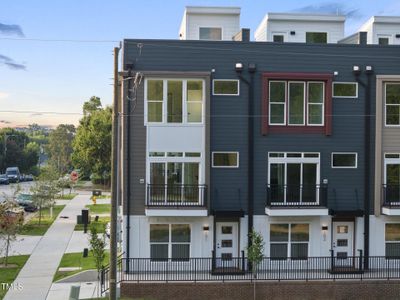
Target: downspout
128, 202
367, 157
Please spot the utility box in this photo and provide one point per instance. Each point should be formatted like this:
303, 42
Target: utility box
74, 292
96, 193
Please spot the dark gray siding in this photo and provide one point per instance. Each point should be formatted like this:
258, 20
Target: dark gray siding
228, 187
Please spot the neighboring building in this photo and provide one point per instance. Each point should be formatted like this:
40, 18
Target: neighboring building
382, 30
209, 23
300, 28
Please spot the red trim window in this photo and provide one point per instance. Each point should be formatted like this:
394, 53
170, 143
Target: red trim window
297, 103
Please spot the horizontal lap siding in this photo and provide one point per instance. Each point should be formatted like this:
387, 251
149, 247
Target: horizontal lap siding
230, 132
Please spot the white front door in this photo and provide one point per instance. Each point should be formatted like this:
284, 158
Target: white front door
226, 243
343, 242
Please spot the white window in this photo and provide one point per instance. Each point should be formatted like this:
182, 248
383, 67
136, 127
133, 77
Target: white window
225, 159
392, 179
296, 103
225, 87
392, 240
384, 39
278, 37
345, 89
344, 160
289, 240
392, 104
210, 33
317, 37
174, 100
293, 178
170, 241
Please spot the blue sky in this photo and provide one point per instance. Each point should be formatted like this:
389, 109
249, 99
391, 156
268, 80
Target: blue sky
58, 76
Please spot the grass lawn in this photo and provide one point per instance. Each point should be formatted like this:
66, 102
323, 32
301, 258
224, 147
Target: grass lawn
100, 225
8, 275
99, 208
77, 260
67, 196
33, 227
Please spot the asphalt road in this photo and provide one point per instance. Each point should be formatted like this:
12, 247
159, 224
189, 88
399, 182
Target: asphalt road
7, 190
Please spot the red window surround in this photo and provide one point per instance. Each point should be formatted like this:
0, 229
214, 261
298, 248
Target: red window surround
325, 77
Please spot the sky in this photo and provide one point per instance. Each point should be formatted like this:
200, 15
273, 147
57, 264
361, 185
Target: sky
55, 55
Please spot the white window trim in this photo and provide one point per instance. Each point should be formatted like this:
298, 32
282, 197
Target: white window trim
348, 83
304, 102
389, 161
238, 87
170, 238
388, 36
289, 242
212, 27
280, 103
321, 104
282, 33
164, 117
225, 167
384, 96
341, 167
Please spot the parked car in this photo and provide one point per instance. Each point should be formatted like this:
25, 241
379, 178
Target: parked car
24, 199
13, 174
29, 177
30, 208
4, 179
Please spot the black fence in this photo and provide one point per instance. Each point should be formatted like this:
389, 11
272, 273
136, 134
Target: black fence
240, 269
176, 195
283, 195
391, 195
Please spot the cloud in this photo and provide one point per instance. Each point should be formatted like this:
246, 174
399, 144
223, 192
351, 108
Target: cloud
10, 63
331, 8
3, 95
11, 29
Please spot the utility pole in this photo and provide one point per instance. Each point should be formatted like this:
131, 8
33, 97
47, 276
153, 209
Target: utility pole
114, 183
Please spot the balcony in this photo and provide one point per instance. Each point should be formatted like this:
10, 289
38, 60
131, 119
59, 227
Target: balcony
176, 200
391, 199
296, 200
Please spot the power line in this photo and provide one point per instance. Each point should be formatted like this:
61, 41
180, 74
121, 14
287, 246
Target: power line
58, 40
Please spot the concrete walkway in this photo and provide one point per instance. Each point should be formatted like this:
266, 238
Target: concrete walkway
36, 276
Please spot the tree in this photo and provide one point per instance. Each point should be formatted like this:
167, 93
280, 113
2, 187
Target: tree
97, 247
10, 222
60, 148
92, 143
255, 253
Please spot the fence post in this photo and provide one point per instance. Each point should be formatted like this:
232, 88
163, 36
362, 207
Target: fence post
243, 261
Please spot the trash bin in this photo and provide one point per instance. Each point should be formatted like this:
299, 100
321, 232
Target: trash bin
96, 193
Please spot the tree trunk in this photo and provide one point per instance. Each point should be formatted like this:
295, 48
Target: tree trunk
40, 214
7, 250
51, 212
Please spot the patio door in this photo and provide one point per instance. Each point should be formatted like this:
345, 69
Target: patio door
226, 244
343, 243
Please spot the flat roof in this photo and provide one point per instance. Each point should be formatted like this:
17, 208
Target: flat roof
305, 17
230, 10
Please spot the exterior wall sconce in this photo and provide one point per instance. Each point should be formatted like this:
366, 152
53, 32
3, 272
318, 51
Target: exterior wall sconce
206, 228
324, 231
239, 67
368, 69
356, 70
292, 32
398, 36
336, 73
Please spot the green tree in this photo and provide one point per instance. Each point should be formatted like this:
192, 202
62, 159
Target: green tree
92, 143
98, 249
60, 148
255, 254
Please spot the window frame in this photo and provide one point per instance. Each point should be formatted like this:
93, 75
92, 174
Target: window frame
390, 242
327, 37
311, 103
346, 83
238, 87
289, 241
389, 161
210, 27
170, 243
341, 167
279, 33
225, 167
326, 78
385, 105
384, 36
164, 116
305, 93
280, 103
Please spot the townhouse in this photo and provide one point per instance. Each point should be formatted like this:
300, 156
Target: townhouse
300, 141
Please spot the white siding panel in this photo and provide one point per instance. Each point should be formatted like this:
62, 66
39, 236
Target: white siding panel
230, 25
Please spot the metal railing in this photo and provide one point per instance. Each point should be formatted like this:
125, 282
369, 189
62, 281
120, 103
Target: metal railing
237, 268
391, 195
105, 275
176, 195
279, 195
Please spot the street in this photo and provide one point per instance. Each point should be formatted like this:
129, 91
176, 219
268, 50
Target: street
7, 190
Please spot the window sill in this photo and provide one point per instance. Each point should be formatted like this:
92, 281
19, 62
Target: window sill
297, 129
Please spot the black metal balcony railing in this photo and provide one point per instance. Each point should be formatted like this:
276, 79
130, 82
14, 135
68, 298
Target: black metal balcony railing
391, 195
237, 269
296, 195
176, 195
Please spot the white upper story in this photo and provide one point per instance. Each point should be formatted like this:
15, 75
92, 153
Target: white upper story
209, 23
382, 30
300, 28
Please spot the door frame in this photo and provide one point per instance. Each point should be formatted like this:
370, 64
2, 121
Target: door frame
344, 219
230, 220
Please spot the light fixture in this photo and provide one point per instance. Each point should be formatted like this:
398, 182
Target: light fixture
356, 70
252, 68
325, 227
292, 32
398, 36
325, 181
368, 69
324, 231
336, 73
239, 67
206, 228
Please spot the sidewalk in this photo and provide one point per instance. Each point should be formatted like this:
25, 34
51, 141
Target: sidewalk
36, 276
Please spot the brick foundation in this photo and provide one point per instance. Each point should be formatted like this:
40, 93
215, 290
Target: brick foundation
315, 290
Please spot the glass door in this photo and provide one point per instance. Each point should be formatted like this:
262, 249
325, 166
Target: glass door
191, 183
392, 180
